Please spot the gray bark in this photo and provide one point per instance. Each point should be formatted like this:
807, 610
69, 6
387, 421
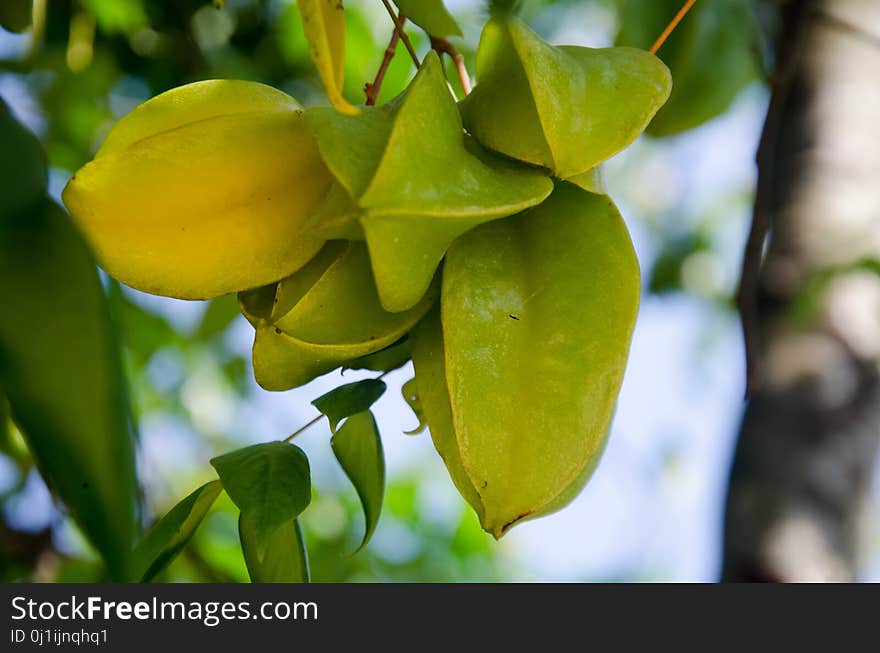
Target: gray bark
809, 436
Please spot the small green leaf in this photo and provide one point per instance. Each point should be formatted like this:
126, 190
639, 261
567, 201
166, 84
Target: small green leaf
349, 399
323, 22
173, 532
358, 448
431, 15
285, 559
270, 483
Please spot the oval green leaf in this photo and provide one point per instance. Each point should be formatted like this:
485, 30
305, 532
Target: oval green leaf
284, 558
349, 399
270, 483
358, 448
172, 533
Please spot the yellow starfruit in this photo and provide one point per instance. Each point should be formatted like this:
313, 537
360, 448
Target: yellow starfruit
202, 191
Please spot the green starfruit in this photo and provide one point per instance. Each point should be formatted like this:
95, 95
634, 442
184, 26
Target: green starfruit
429, 359
413, 182
519, 383
202, 191
564, 108
322, 317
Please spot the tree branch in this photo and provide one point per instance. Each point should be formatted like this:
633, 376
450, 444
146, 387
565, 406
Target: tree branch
809, 436
398, 20
371, 89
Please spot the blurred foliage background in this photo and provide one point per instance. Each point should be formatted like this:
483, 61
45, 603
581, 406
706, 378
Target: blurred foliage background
653, 511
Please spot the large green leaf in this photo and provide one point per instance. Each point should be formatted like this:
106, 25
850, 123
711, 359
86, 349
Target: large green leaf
537, 313
431, 15
409, 220
349, 399
712, 55
358, 448
23, 172
270, 483
284, 560
60, 369
173, 532
59, 358
565, 108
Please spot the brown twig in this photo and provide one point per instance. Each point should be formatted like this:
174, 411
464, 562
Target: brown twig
398, 20
672, 25
372, 88
445, 47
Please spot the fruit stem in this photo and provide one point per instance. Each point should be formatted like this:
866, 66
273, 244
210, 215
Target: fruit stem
445, 47
398, 20
672, 25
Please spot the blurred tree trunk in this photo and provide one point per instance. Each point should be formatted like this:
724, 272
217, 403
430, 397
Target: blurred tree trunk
808, 439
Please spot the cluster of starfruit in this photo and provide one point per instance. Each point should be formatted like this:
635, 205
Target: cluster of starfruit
474, 237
